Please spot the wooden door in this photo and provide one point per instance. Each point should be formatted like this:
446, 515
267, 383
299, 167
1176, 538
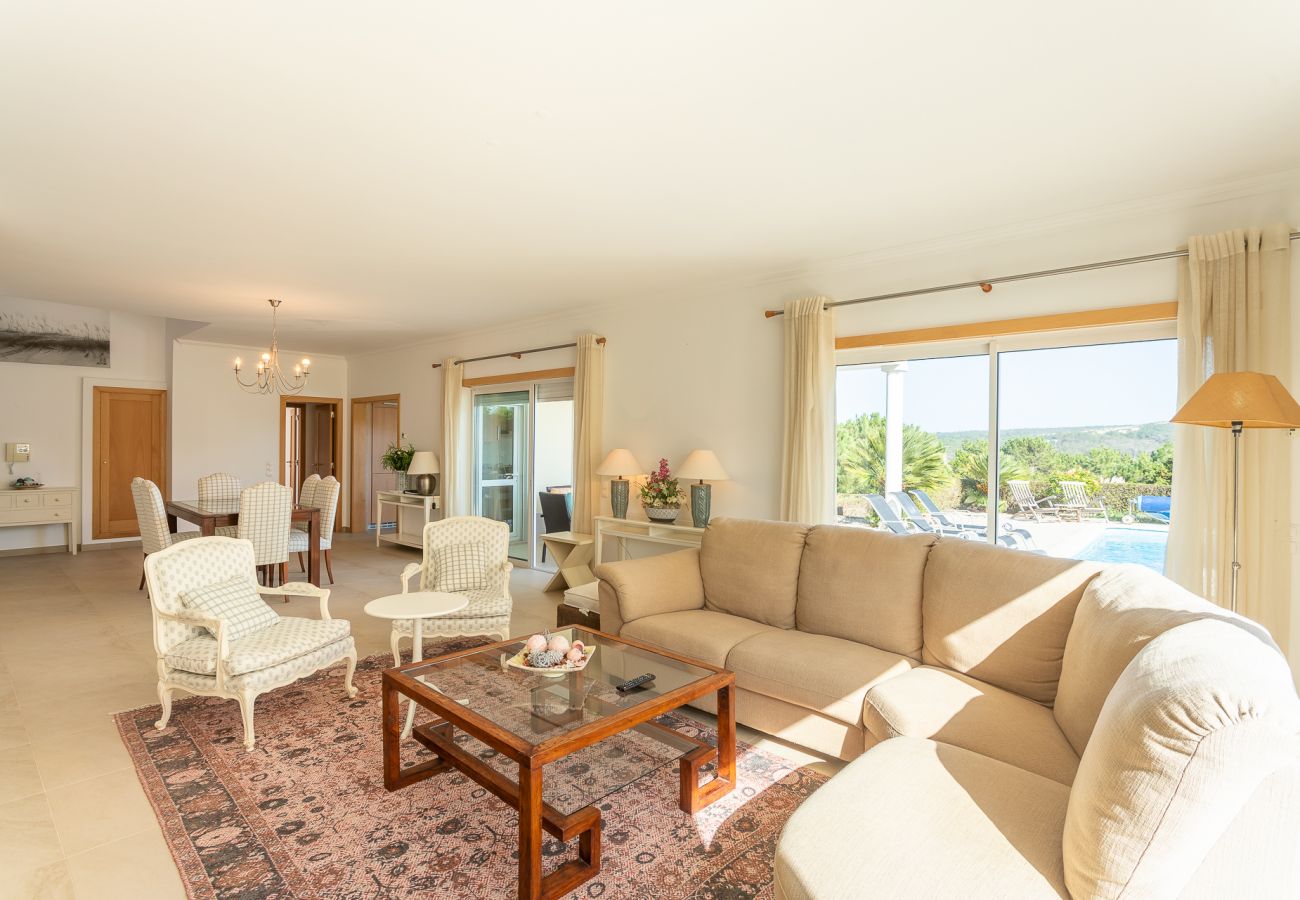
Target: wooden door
320, 440
361, 505
130, 440
383, 434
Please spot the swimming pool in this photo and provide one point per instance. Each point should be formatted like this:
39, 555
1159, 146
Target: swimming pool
1144, 546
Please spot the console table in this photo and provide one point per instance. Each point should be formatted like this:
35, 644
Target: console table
42, 506
644, 531
413, 512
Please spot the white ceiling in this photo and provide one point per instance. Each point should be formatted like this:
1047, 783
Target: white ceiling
403, 168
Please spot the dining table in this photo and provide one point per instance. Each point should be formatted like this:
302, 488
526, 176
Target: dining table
213, 515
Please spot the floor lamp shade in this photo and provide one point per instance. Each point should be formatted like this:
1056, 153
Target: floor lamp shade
1239, 400
619, 463
701, 466
424, 465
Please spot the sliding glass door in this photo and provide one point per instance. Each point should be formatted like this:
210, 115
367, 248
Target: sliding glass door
1057, 443
501, 463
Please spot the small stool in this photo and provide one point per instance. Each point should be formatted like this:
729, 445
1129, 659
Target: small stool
581, 607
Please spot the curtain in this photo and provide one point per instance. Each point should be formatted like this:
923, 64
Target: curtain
588, 431
1234, 314
808, 450
457, 452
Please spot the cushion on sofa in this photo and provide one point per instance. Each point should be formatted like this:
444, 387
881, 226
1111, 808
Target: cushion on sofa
698, 633
1001, 615
1122, 609
750, 568
287, 638
916, 818
957, 709
1194, 724
815, 671
863, 585
669, 582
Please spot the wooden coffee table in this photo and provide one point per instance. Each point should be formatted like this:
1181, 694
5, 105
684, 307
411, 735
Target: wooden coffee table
533, 719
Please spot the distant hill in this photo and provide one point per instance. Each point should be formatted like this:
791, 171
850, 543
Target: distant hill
1129, 439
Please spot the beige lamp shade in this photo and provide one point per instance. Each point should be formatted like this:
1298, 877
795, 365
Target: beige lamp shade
618, 463
702, 465
423, 462
1254, 399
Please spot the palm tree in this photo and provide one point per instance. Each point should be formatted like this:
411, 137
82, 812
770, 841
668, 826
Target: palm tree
971, 464
860, 445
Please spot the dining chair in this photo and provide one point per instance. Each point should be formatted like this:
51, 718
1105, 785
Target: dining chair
265, 513
214, 636
555, 513
217, 489
462, 555
324, 496
151, 516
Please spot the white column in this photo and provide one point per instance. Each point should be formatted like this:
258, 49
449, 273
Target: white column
894, 376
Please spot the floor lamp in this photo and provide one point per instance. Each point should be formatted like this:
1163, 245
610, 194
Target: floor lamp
1239, 400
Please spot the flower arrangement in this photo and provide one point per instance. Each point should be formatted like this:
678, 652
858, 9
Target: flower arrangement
397, 458
661, 490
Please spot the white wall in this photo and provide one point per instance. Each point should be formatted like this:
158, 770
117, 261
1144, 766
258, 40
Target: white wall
702, 368
43, 405
219, 427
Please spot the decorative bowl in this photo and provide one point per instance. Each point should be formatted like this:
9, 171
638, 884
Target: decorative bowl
520, 661
662, 514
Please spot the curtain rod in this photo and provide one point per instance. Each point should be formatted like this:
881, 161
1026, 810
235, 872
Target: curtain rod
518, 354
986, 284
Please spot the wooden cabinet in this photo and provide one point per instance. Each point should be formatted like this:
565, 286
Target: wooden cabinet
42, 506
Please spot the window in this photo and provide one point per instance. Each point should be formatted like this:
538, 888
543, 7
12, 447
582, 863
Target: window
1075, 425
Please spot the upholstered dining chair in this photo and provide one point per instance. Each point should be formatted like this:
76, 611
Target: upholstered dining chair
462, 555
151, 516
215, 636
218, 488
265, 513
324, 495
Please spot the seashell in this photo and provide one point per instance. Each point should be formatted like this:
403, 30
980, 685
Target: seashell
579, 645
559, 643
575, 655
534, 643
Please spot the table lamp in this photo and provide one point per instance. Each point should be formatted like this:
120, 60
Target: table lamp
617, 464
701, 466
1239, 400
424, 463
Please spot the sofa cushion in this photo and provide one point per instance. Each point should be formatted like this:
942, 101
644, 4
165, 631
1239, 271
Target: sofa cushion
287, 638
957, 709
750, 568
698, 633
863, 585
1001, 615
668, 582
1194, 724
916, 818
814, 671
1122, 610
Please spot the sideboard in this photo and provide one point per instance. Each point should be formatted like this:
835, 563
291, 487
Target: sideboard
42, 506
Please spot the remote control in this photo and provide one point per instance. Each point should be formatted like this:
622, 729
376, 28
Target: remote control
634, 683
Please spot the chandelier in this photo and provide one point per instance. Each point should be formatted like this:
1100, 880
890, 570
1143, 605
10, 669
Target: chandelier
270, 378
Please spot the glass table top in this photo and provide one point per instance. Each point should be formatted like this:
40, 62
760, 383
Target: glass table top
538, 708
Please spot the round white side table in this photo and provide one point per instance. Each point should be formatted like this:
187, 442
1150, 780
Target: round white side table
416, 606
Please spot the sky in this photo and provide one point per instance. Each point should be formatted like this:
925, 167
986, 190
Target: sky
1103, 384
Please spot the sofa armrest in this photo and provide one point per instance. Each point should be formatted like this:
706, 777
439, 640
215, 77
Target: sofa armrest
636, 588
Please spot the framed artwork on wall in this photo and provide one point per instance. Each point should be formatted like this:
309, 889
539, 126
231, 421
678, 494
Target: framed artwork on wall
57, 334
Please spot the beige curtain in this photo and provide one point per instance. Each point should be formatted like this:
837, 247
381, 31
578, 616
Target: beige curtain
457, 452
1234, 315
588, 431
808, 451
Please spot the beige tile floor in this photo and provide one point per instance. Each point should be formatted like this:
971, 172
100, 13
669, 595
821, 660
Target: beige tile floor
75, 647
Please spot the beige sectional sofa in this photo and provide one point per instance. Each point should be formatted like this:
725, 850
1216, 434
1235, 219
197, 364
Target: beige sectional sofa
1032, 726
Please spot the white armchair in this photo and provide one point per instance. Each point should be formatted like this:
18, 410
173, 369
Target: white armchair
195, 651
490, 604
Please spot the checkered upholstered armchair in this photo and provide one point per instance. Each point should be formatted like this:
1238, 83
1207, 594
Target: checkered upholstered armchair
219, 488
489, 606
151, 516
195, 652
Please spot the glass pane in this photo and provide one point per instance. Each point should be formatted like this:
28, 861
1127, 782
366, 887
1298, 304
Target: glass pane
501, 463
1086, 449
553, 464
912, 445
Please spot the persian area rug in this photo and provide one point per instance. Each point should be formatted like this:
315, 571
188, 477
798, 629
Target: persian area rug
306, 814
